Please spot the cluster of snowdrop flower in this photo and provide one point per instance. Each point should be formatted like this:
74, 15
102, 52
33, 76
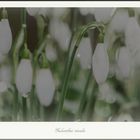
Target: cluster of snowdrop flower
122, 36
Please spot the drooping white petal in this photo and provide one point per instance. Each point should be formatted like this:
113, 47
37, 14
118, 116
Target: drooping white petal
45, 86
132, 35
85, 53
124, 62
5, 36
84, 11
60, 32
24, 76
100, 63
33, 11
103, 14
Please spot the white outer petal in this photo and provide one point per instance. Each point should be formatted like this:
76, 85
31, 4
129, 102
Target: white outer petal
100, 63
124, 62
45, 86
85, 53
24, 76
5, 36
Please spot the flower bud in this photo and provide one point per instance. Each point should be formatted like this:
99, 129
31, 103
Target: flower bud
24, 76
100, 63
45, 86
5, 36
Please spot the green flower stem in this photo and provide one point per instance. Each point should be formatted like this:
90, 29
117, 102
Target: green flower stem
24, 100
79, 36
91, 103
83, 97
24, 108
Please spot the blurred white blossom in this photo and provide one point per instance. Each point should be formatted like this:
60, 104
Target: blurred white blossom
132, 35
124, 61
107, 93
85, 53
103, 14
100, 63
45, 86
60, 31
5, 36
24, 75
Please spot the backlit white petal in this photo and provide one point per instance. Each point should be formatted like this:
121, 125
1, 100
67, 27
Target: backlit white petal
100, 63
5, 36
24, 76
45, 86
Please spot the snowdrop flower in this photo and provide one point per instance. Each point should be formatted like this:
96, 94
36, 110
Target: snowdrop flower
85, 53
86, 11
103, 14
100, 63
132, 35
5, 36
124, 62
45, 86
24, 76
60, 32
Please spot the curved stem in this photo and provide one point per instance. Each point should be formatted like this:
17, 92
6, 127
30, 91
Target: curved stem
81, 33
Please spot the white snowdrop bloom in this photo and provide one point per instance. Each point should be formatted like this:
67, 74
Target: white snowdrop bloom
60, 32
58, 12
6, 74
85, 53
132, 35
51, 53
5, 36
124, 61
107, 93
103, 14
24, 76
100, 63
3, 86
45, 86
124, 117
33, 11
119, 20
